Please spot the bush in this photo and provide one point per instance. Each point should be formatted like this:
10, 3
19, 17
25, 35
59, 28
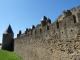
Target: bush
38, 25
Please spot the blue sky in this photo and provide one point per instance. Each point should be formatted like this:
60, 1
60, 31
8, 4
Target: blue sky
22, 14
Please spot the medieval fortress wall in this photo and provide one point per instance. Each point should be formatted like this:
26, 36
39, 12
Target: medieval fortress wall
59, 40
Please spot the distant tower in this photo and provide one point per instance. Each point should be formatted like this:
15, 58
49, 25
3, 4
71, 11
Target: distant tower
43, 21
8, 39
19, 33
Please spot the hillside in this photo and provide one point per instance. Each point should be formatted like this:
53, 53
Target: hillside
6, 55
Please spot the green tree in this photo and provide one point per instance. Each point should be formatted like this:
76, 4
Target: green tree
38, 25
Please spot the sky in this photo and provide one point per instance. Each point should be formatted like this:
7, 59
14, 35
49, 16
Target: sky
22, 14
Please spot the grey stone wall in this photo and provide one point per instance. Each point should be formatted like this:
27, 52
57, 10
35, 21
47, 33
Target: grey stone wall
57, 41
8, 42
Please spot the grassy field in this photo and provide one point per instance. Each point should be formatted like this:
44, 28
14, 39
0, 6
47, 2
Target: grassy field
6, 55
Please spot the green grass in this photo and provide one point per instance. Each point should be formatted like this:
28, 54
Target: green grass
6, 55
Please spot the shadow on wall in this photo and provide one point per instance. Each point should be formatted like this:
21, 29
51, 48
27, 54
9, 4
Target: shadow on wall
9, 46
0, 45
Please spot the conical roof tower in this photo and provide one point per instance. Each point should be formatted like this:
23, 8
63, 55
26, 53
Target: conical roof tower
8, 39
9, 30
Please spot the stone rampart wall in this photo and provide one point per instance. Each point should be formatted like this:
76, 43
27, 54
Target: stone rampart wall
57, 41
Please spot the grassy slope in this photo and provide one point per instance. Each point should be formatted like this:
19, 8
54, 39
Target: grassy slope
6, 55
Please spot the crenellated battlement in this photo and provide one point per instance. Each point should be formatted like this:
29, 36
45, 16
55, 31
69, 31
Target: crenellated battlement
66, 16
52, 41
73, 10
35, 31
78, 8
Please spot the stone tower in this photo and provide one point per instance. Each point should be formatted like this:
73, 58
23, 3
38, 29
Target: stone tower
8, 39
43, 21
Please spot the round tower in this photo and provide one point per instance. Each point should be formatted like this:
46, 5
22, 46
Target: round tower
8, 39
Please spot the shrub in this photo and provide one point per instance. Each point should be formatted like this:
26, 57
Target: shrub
38, 25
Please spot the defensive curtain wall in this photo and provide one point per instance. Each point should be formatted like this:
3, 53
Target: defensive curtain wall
59, 40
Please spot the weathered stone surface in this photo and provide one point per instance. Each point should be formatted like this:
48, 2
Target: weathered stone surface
59, 40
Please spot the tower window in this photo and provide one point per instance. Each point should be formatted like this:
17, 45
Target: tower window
35, 31
40, 31
47, 27
74, 19
57, 23
71, 30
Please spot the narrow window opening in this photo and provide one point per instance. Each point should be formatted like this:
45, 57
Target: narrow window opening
31, 31
57, 23
40, 31
71, 30
35, 31
74, 19
47, 27
55, 36
63, 17
62, 32
65, 23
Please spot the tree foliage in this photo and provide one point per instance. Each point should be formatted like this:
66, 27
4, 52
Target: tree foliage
38, 25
